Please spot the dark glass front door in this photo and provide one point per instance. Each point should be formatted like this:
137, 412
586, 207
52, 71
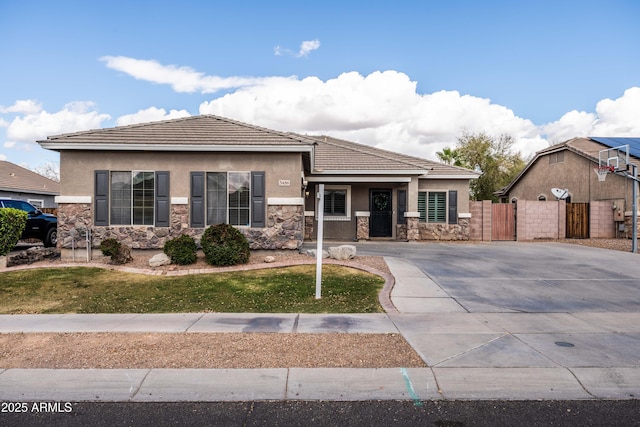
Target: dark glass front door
380, 207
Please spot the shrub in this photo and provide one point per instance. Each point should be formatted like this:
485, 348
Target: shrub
12, 223
223, 244
120, 254
182, 250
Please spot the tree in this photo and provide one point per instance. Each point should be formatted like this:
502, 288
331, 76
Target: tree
450, 156
494, 157
49, 170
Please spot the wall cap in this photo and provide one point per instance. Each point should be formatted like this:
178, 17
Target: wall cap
72, 199
289, 201
179, 200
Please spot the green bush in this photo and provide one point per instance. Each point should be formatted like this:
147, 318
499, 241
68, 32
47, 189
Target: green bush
223, 244
120, 254
182, 250
12, 223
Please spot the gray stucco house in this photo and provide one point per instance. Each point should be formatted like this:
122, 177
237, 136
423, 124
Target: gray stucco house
150, 182
19, 183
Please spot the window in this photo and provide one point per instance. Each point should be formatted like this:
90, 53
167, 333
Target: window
432, 206
239, 191
335, 202
556, 157
236, 198
132, 198
38, 203
216, 198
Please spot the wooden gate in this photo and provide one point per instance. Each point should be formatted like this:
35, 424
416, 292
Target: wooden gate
577, 221
503, 221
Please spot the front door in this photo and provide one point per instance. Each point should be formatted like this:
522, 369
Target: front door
380, 207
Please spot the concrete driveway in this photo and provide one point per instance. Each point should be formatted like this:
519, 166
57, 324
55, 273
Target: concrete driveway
519, 320
524, 277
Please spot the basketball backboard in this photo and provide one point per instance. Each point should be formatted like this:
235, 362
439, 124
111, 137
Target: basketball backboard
615, 157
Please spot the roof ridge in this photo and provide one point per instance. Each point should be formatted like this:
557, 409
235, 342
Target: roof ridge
289, 135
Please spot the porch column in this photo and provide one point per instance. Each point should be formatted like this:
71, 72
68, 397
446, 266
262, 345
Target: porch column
362, 225
413, 228
412, 195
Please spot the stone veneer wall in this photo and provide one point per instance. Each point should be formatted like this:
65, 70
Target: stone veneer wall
308, 227
362, 228
284, 229
459, 231
401, 232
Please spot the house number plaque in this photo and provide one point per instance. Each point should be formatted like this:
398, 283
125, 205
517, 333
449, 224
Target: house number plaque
284, 183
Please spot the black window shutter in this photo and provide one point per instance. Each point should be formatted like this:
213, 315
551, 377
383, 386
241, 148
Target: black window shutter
402, 206
258, 205
163, 201
197, 199
101, 184
453, 207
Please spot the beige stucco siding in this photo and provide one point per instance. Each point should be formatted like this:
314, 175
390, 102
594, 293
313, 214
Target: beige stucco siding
459, 185
574, 173
77, 169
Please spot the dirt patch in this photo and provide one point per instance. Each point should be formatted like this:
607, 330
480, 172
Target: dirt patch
205, 350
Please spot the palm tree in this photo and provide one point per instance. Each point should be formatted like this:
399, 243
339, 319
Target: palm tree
450, 156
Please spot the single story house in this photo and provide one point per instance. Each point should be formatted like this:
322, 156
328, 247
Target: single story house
150, 182
19, 183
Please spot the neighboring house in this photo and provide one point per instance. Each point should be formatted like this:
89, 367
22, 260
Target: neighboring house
147, 183
569, 165
19, 183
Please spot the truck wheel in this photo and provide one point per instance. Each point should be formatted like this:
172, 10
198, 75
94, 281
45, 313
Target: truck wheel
52, 238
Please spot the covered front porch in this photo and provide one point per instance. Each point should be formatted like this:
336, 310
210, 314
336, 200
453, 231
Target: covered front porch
355, 211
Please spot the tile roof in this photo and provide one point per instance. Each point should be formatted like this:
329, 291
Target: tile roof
18, 179
209, 132
332, 154
205, 130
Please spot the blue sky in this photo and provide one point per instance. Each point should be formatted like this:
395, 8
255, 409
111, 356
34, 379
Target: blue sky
409, 76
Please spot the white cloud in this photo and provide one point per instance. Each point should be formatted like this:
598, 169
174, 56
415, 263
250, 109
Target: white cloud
308, 46
612, 118
74, 116
151, 114
572, 124
23, 106
382, 109
181, 79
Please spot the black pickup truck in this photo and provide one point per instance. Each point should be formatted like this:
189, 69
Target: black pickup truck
39, 225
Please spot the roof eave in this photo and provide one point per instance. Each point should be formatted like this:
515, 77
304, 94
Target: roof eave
452, 176
59, 146
370, 172
30, 191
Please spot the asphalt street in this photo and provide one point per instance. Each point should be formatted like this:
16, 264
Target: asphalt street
369, 413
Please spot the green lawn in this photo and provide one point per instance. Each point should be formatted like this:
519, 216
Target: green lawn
281, 290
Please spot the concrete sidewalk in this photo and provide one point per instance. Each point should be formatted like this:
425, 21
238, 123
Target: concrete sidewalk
481, 355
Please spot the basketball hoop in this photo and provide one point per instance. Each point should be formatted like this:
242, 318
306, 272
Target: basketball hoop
602, 171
